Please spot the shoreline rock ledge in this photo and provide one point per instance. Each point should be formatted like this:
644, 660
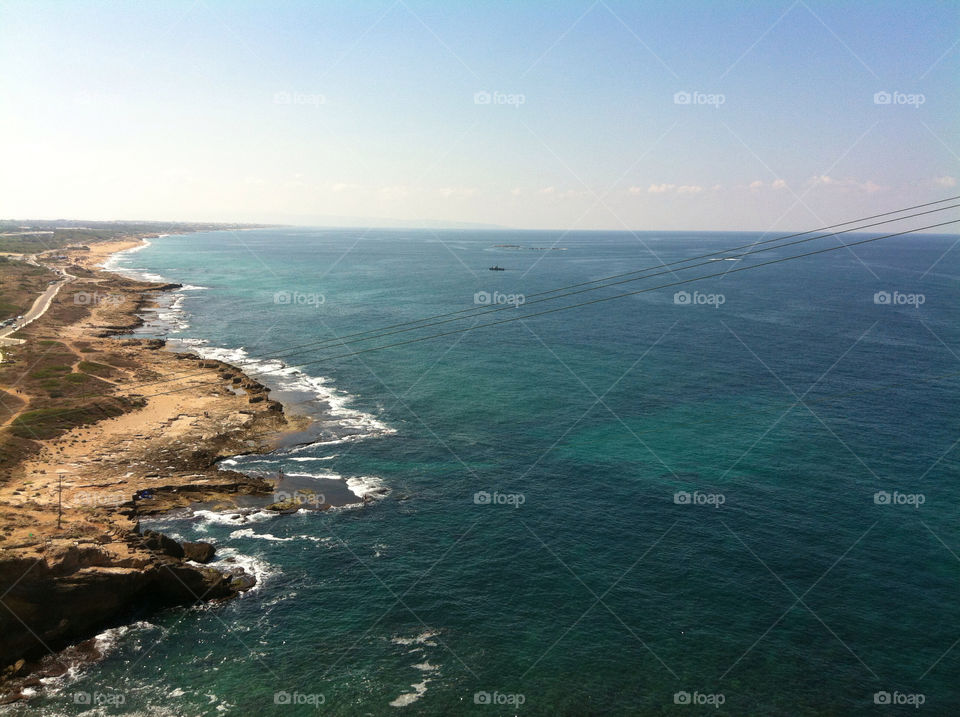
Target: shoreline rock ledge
63, 591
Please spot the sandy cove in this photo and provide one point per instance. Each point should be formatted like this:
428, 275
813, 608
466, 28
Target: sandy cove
62, 585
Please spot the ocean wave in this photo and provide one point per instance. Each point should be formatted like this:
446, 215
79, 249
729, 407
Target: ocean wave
290, 378
424, 638
407, 698
253, 565
249, 533
329, 476
112, 262
367, 486
233, 517
418, 643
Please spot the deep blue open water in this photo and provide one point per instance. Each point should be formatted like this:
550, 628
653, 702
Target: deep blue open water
751, 505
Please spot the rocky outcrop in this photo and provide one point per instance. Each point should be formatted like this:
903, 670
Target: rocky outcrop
198, 552
68, 590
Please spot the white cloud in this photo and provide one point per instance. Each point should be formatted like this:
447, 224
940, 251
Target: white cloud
397, 191
756, 185
673, 189
447, 192
825, 180
946, 181
548, 191
779, 184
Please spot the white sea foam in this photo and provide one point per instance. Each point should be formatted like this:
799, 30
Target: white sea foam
329, 476
112, 262
106, 641
418, 643
249, 533
424, 638
252, 565
305, 459
290, 378
367, 486
407, 698
234, 517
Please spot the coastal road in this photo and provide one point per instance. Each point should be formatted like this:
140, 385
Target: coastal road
39, 308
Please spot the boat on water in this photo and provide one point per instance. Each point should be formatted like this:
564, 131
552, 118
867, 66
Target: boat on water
497, 268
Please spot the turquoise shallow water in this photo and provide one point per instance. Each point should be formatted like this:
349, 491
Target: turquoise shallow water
587, 584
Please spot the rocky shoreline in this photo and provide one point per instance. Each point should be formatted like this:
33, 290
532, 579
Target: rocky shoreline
73, 560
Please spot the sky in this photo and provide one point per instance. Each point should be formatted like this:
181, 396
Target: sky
706, 115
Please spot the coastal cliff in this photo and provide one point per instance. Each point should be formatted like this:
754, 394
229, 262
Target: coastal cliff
143, 435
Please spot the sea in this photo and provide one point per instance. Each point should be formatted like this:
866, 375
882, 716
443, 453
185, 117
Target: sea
730, 495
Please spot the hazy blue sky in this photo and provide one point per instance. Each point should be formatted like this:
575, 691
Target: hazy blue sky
297, 111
